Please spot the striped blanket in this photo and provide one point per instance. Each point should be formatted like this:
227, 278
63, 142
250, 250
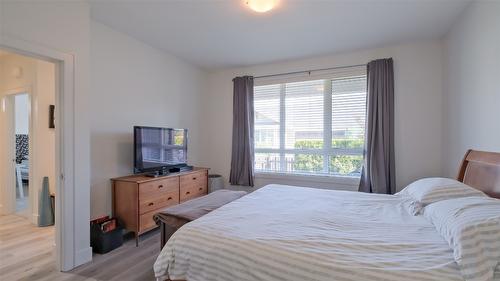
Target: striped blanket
471, 226
296, 233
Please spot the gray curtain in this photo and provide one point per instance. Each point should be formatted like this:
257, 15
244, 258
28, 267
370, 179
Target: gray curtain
378, 174
242, 172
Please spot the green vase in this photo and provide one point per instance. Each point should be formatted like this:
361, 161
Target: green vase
45, 212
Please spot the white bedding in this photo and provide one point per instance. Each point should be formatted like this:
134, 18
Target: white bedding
471, 226
296, 233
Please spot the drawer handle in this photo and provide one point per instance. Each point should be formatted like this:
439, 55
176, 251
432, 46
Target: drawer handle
200, 189
169, 198
151, 204
188, 192
194, 178
160, 186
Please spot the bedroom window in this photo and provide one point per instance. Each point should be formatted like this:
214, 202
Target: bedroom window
313, 127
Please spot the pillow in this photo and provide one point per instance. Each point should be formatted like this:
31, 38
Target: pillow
471, 226
426, 191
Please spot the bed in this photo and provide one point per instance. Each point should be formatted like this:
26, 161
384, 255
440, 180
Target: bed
298, 233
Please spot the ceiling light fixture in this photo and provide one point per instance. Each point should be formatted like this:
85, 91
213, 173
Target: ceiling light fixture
261, 6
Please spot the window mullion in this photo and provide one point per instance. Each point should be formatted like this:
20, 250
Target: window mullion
282, 128
327, 124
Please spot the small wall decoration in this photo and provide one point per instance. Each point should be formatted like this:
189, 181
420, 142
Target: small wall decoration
52, 120
22, 148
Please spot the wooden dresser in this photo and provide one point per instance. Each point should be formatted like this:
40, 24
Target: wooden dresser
137, 198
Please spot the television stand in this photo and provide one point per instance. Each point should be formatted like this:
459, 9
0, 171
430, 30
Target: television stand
156, 174
168, 171
186, 168
137, 198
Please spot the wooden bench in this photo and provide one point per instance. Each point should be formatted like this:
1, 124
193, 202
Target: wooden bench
172, 218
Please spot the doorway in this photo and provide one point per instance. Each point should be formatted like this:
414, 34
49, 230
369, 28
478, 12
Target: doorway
21, 152
15, 128
28, 181
71, 226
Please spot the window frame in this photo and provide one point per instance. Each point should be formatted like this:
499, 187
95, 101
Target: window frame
327, 151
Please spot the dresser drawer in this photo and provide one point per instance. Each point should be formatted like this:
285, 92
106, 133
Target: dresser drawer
157, 188
193, 185
192, 192
194, 179
146, 221
165, 199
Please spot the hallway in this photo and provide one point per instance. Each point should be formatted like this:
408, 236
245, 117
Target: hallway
27, 253
24, 248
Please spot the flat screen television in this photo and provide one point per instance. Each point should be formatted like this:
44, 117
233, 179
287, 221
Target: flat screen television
159, 149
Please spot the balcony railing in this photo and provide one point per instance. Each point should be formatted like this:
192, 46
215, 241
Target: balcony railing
291, 164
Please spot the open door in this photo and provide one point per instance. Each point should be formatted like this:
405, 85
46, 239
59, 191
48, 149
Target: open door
8, 192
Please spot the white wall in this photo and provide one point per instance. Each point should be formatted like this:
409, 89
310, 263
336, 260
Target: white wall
45, 141
135, 84
418, 110
38, 77
472, 96
62, 26
22, 114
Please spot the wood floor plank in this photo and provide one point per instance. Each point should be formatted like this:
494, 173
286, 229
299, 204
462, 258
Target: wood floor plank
28, 263
27, 253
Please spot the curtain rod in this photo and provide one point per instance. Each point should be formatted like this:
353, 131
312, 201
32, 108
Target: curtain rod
308, 71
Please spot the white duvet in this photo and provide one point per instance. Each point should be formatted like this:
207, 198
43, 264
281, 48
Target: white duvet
296, 233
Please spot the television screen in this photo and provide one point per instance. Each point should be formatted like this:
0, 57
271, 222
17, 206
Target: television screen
156, 148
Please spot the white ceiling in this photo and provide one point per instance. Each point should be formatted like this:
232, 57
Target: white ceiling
224, 33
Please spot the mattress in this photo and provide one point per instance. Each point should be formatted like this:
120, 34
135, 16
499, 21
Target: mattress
297, 233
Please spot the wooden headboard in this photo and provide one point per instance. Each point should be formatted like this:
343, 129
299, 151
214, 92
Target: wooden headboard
481, 170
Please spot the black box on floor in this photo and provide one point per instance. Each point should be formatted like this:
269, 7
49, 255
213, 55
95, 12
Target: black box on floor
103, 242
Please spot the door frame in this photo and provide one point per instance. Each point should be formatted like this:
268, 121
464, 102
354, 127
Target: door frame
9, 203
66, 254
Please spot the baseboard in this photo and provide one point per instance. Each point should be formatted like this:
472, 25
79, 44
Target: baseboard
83, 256
34, 218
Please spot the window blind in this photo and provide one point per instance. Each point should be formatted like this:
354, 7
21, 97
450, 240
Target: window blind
303, 106
311, 127
348, 108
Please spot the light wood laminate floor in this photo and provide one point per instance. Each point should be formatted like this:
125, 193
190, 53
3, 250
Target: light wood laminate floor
27, 253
